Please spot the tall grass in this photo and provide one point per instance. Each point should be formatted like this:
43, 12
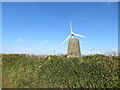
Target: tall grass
95, 71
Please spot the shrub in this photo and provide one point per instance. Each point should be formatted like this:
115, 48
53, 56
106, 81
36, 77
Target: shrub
96, 71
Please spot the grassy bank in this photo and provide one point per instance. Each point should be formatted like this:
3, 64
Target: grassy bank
21, 71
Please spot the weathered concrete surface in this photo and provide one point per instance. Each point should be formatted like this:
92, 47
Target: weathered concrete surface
73, 48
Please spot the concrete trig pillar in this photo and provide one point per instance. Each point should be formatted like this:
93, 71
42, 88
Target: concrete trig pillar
73, 48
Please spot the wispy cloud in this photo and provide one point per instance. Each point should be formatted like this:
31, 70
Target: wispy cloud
14, 48
19, 40
81, 41
45, 42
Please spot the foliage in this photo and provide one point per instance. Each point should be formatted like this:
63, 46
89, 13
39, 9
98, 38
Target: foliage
95, 71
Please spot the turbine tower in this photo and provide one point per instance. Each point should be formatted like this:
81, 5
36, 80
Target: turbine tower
73, 46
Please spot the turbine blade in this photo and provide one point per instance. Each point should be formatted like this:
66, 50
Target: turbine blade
66, 39
79, 35
71, 27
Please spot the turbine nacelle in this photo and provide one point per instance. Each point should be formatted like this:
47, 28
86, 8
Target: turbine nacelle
71, 34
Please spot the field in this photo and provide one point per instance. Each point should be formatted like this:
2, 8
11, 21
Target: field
93, 71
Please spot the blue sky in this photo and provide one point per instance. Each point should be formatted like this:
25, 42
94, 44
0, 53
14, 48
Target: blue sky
40, 28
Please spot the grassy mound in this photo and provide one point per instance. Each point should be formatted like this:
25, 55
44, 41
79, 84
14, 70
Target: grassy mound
97, 71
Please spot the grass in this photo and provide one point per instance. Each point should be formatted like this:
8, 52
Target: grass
95, 71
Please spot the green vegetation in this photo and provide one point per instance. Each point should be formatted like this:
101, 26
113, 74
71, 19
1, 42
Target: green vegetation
96, 71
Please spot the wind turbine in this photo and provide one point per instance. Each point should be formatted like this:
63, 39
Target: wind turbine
71, 34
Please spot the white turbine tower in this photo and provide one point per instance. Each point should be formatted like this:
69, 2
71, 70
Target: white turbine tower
71, 34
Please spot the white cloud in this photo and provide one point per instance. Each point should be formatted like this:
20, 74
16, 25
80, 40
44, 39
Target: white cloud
81, 41
14, 48
19, 40
45, 42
